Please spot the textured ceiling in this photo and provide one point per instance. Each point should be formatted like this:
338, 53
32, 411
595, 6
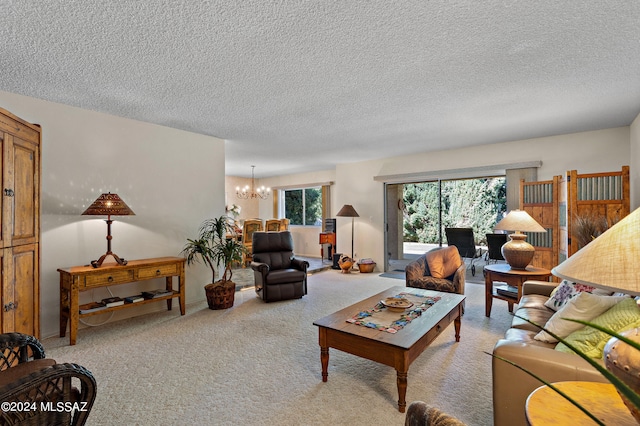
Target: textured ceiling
299, 85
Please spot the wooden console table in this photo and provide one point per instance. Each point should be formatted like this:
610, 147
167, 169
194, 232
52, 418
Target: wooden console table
82, 278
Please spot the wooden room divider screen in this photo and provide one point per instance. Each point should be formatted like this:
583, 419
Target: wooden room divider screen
541, 201
556, 204
602, 194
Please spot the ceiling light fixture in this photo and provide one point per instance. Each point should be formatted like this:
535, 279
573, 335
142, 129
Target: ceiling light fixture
251, 192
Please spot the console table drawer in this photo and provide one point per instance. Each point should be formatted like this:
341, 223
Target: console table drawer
112, 277
157, 271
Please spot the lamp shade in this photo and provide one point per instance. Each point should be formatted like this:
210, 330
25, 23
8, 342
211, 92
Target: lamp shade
347, 211
108, 205
519, 220
611, 261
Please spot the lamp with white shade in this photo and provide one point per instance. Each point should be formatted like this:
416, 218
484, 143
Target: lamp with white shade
517, 252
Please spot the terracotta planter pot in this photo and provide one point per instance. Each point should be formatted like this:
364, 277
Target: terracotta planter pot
221, 294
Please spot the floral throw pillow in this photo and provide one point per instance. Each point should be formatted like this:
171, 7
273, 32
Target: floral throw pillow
565, 292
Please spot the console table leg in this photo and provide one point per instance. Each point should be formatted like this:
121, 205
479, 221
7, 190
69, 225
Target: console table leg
402, 390
169, 286
64, 308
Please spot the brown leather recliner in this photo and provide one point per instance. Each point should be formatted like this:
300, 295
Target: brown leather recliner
278, 274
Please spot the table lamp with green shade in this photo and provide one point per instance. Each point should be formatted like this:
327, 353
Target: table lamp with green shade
612, 262
108, 205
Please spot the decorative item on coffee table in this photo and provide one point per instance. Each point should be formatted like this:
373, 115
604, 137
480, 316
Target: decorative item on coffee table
213, 247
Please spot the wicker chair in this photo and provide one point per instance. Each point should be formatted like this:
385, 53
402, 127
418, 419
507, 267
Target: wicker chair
29, 379
418, 275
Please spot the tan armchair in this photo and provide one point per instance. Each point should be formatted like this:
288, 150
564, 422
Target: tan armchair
418, 274
28, 378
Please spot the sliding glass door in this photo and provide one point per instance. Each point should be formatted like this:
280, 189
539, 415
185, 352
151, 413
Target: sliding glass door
417, 214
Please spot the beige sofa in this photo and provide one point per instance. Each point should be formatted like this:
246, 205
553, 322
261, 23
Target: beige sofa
511, 386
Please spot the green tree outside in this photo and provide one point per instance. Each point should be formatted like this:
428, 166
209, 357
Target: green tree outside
466, 203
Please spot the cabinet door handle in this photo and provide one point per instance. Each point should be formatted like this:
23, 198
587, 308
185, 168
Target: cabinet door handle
158, 272
8, 192
110, 279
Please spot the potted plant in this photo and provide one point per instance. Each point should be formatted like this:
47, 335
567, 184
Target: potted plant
217, 244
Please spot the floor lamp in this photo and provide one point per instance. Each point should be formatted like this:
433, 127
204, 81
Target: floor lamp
348, 211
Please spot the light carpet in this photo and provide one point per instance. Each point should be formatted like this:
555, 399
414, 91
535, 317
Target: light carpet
259, 363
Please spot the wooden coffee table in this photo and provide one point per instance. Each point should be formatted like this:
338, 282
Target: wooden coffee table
397, 350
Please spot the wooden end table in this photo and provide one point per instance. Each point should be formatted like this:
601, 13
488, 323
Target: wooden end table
546, 407
513, 277
397, 350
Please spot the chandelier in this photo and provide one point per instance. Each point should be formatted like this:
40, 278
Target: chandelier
251, 192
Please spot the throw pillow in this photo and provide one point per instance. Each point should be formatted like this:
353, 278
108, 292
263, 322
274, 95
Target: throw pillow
585, 306
567, 290
623, 316
444, 262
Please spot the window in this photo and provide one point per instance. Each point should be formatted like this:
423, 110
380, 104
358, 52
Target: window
303, 206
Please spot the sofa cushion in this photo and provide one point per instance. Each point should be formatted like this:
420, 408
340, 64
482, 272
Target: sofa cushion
625, 315
585, 306
285, 276
444, 262
535, 301
526, 336
537, 315
567, 290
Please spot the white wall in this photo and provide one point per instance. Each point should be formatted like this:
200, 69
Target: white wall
587, 152
171, 179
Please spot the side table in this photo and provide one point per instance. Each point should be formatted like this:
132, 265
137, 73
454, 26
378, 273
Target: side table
546, 407
76, 279
513, 277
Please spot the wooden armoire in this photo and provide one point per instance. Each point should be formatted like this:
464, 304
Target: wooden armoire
20, 228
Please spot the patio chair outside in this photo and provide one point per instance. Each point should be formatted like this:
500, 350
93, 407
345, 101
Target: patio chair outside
464, 241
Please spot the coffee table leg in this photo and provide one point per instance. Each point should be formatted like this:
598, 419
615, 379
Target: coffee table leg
456, 324
324, 353
324, 359
402, 390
